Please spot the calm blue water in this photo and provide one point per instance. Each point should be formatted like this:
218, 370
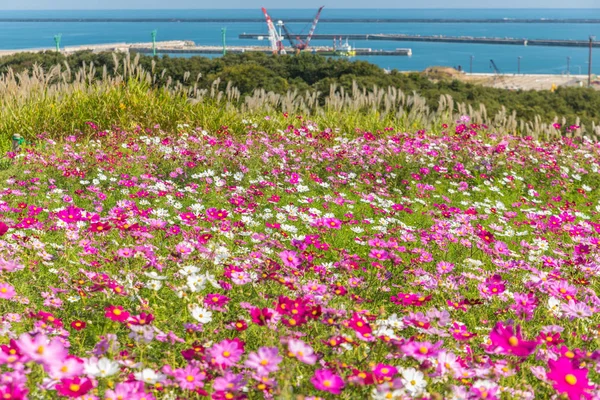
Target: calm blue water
534, 59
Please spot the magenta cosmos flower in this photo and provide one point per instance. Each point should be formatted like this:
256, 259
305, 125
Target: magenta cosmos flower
226, 353
569, 379
327, 381
75, 387
508, 341
116, 313
264, 361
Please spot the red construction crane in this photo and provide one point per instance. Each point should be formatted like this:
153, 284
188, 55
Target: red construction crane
298, 43
274, 38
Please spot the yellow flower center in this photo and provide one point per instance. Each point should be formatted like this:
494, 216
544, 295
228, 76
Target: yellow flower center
513, 341
264, 362
73, 387
570, 379
327, 383
117, 312
189, 378
423, 350
40, 350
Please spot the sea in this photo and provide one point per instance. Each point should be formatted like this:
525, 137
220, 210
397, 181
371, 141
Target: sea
533, 59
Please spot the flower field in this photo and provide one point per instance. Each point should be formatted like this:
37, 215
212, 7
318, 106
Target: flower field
287, 259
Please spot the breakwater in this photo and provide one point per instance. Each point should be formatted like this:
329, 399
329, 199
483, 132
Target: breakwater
442, 39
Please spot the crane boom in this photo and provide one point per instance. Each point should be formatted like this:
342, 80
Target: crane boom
272, 31
495, 67
289, 36
313, 27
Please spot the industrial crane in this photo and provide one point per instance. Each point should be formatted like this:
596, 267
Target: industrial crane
495, 67
297, 43
274, 36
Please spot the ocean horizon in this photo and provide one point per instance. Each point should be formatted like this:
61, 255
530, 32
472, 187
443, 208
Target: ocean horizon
543, 60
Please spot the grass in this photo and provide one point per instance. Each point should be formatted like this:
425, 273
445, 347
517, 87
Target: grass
63, 101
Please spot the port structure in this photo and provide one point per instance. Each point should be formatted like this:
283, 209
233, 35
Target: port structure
296, 41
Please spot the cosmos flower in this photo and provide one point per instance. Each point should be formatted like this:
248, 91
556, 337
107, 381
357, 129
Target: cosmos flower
7, 291
264, 361
116, 313
41, 349
302, 351
569, 379
226, 353
413, 381
327, 381
74, 387
189, 378
508, 340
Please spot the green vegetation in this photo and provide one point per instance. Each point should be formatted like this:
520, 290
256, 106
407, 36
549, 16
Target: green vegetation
280, 74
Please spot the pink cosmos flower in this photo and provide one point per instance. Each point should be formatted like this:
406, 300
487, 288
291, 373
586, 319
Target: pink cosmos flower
569, 379
66, 368
333, 223
74, 387
507, 341
385, 372
379, 254
214, 214
116, 313
40, 349
290, 258
444, 267
226, 353
264, 361
229, 382
422, 350
7, 291
325, 380
302, 351
189, 378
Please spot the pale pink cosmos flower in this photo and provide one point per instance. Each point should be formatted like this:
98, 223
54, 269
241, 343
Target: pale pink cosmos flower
302, 351
41, 350
7, 291
264, 361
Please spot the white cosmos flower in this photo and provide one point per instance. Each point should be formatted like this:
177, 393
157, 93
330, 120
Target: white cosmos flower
154, 285
201, 315
153, 275
196, 283
100, 368
148, 375
189, 270
413, 381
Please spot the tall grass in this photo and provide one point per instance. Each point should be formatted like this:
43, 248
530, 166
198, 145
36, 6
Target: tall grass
60, 101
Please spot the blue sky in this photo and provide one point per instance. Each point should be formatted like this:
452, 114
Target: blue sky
199, 4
